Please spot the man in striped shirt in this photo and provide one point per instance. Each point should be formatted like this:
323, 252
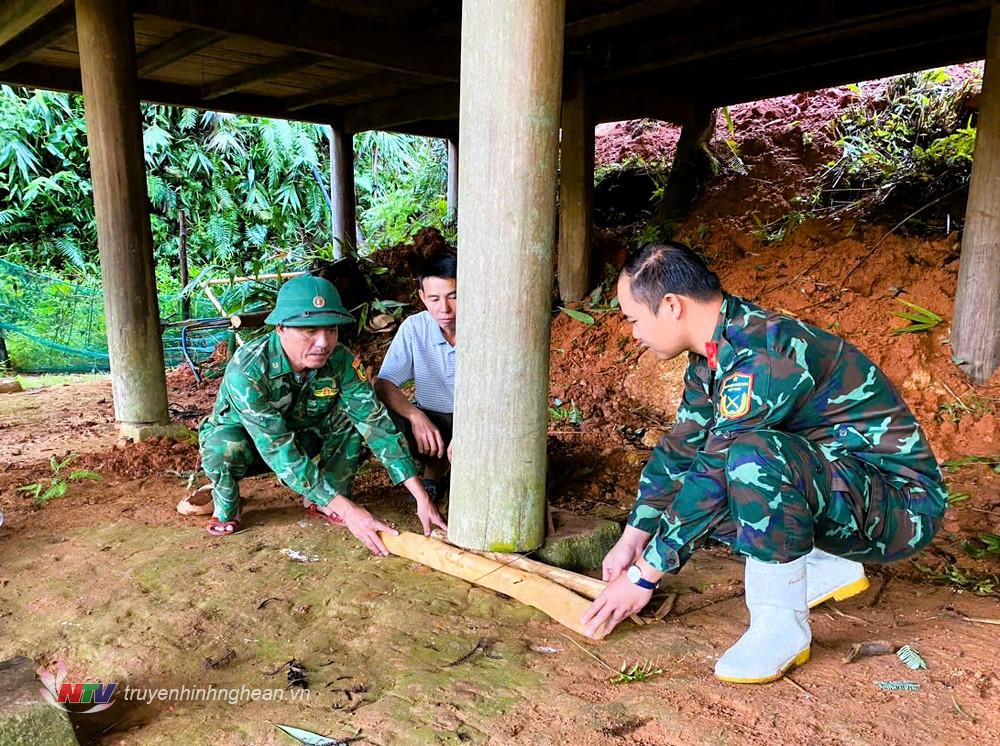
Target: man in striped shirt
423, 351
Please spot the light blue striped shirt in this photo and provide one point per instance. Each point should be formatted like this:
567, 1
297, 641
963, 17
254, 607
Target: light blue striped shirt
420, 353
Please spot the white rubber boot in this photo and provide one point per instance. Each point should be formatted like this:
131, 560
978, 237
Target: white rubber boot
831, 577
779, 635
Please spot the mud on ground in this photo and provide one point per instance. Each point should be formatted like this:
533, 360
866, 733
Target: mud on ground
112, 581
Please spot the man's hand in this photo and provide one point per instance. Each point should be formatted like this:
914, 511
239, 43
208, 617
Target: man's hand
619, 601
427, 512
361, 523
450, 446
625, 552
428, 437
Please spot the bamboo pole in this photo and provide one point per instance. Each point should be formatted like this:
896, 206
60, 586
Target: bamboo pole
559, 603
257, 278
584, 585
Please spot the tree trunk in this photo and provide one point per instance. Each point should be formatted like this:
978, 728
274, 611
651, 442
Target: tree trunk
107, 65
576, 188
508, 138
342, 199
452, 217
693, 165
975, 334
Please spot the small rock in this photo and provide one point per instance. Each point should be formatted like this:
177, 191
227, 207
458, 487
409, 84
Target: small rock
651, 437
10, 386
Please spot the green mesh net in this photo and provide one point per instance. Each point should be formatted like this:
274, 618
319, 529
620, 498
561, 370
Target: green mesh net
50, 325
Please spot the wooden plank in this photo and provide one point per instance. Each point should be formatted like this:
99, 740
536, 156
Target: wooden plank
660, 47
176, 48
17, 16
378, 81
430, 103
628, 14
50, 29
975, 339
309, 28
275, 68
559, 603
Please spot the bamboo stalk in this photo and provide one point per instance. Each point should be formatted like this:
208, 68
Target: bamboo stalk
582, 584
561, 604
272, 276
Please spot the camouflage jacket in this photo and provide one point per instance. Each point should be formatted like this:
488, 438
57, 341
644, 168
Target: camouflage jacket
259, 392
777, 373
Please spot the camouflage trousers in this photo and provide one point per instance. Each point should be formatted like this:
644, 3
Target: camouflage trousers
785, 497
228, 454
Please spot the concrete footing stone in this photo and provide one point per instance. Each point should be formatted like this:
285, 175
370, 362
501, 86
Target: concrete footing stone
25, 718
579, 543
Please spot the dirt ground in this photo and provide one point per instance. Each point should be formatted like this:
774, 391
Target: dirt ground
110, 580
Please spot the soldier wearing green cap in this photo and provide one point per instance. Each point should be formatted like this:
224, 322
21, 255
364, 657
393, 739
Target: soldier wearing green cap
297, 403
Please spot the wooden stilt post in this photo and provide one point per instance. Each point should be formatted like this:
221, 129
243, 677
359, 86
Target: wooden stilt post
452, 181
342, 198
576, 188
975, 332
107, 65
508, 137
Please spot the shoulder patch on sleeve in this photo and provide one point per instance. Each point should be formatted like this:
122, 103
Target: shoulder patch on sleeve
359, 368
735, 395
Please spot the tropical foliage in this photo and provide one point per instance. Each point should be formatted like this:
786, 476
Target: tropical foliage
252, 190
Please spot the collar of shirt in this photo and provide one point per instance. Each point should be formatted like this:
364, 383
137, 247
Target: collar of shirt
437, 336
278, 363
726, 351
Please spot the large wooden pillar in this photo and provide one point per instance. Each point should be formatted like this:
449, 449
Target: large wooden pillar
107, 65
452, 181
576, 189
342, 199
508, 138
975, 333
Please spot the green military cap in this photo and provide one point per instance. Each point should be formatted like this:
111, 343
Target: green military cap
308, 301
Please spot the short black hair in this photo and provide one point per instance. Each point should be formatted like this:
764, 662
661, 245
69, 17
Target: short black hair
669, 267
443, 264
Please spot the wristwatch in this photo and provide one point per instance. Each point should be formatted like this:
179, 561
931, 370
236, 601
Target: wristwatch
635, 577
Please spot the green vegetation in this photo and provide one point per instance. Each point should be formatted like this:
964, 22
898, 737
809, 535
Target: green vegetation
639, 671
986, 546
981, 585
921, 319
912, 147
55, 486
252, 193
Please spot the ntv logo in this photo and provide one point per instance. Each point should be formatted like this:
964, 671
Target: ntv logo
58, 692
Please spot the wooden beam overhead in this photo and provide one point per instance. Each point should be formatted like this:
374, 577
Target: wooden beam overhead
310, 28
176, 48
432, 103
50, 29
632, 13
775, 24
275, 68
17, 16
344, 88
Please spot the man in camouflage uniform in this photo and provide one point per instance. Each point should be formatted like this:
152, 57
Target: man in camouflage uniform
297, 403
789, 445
